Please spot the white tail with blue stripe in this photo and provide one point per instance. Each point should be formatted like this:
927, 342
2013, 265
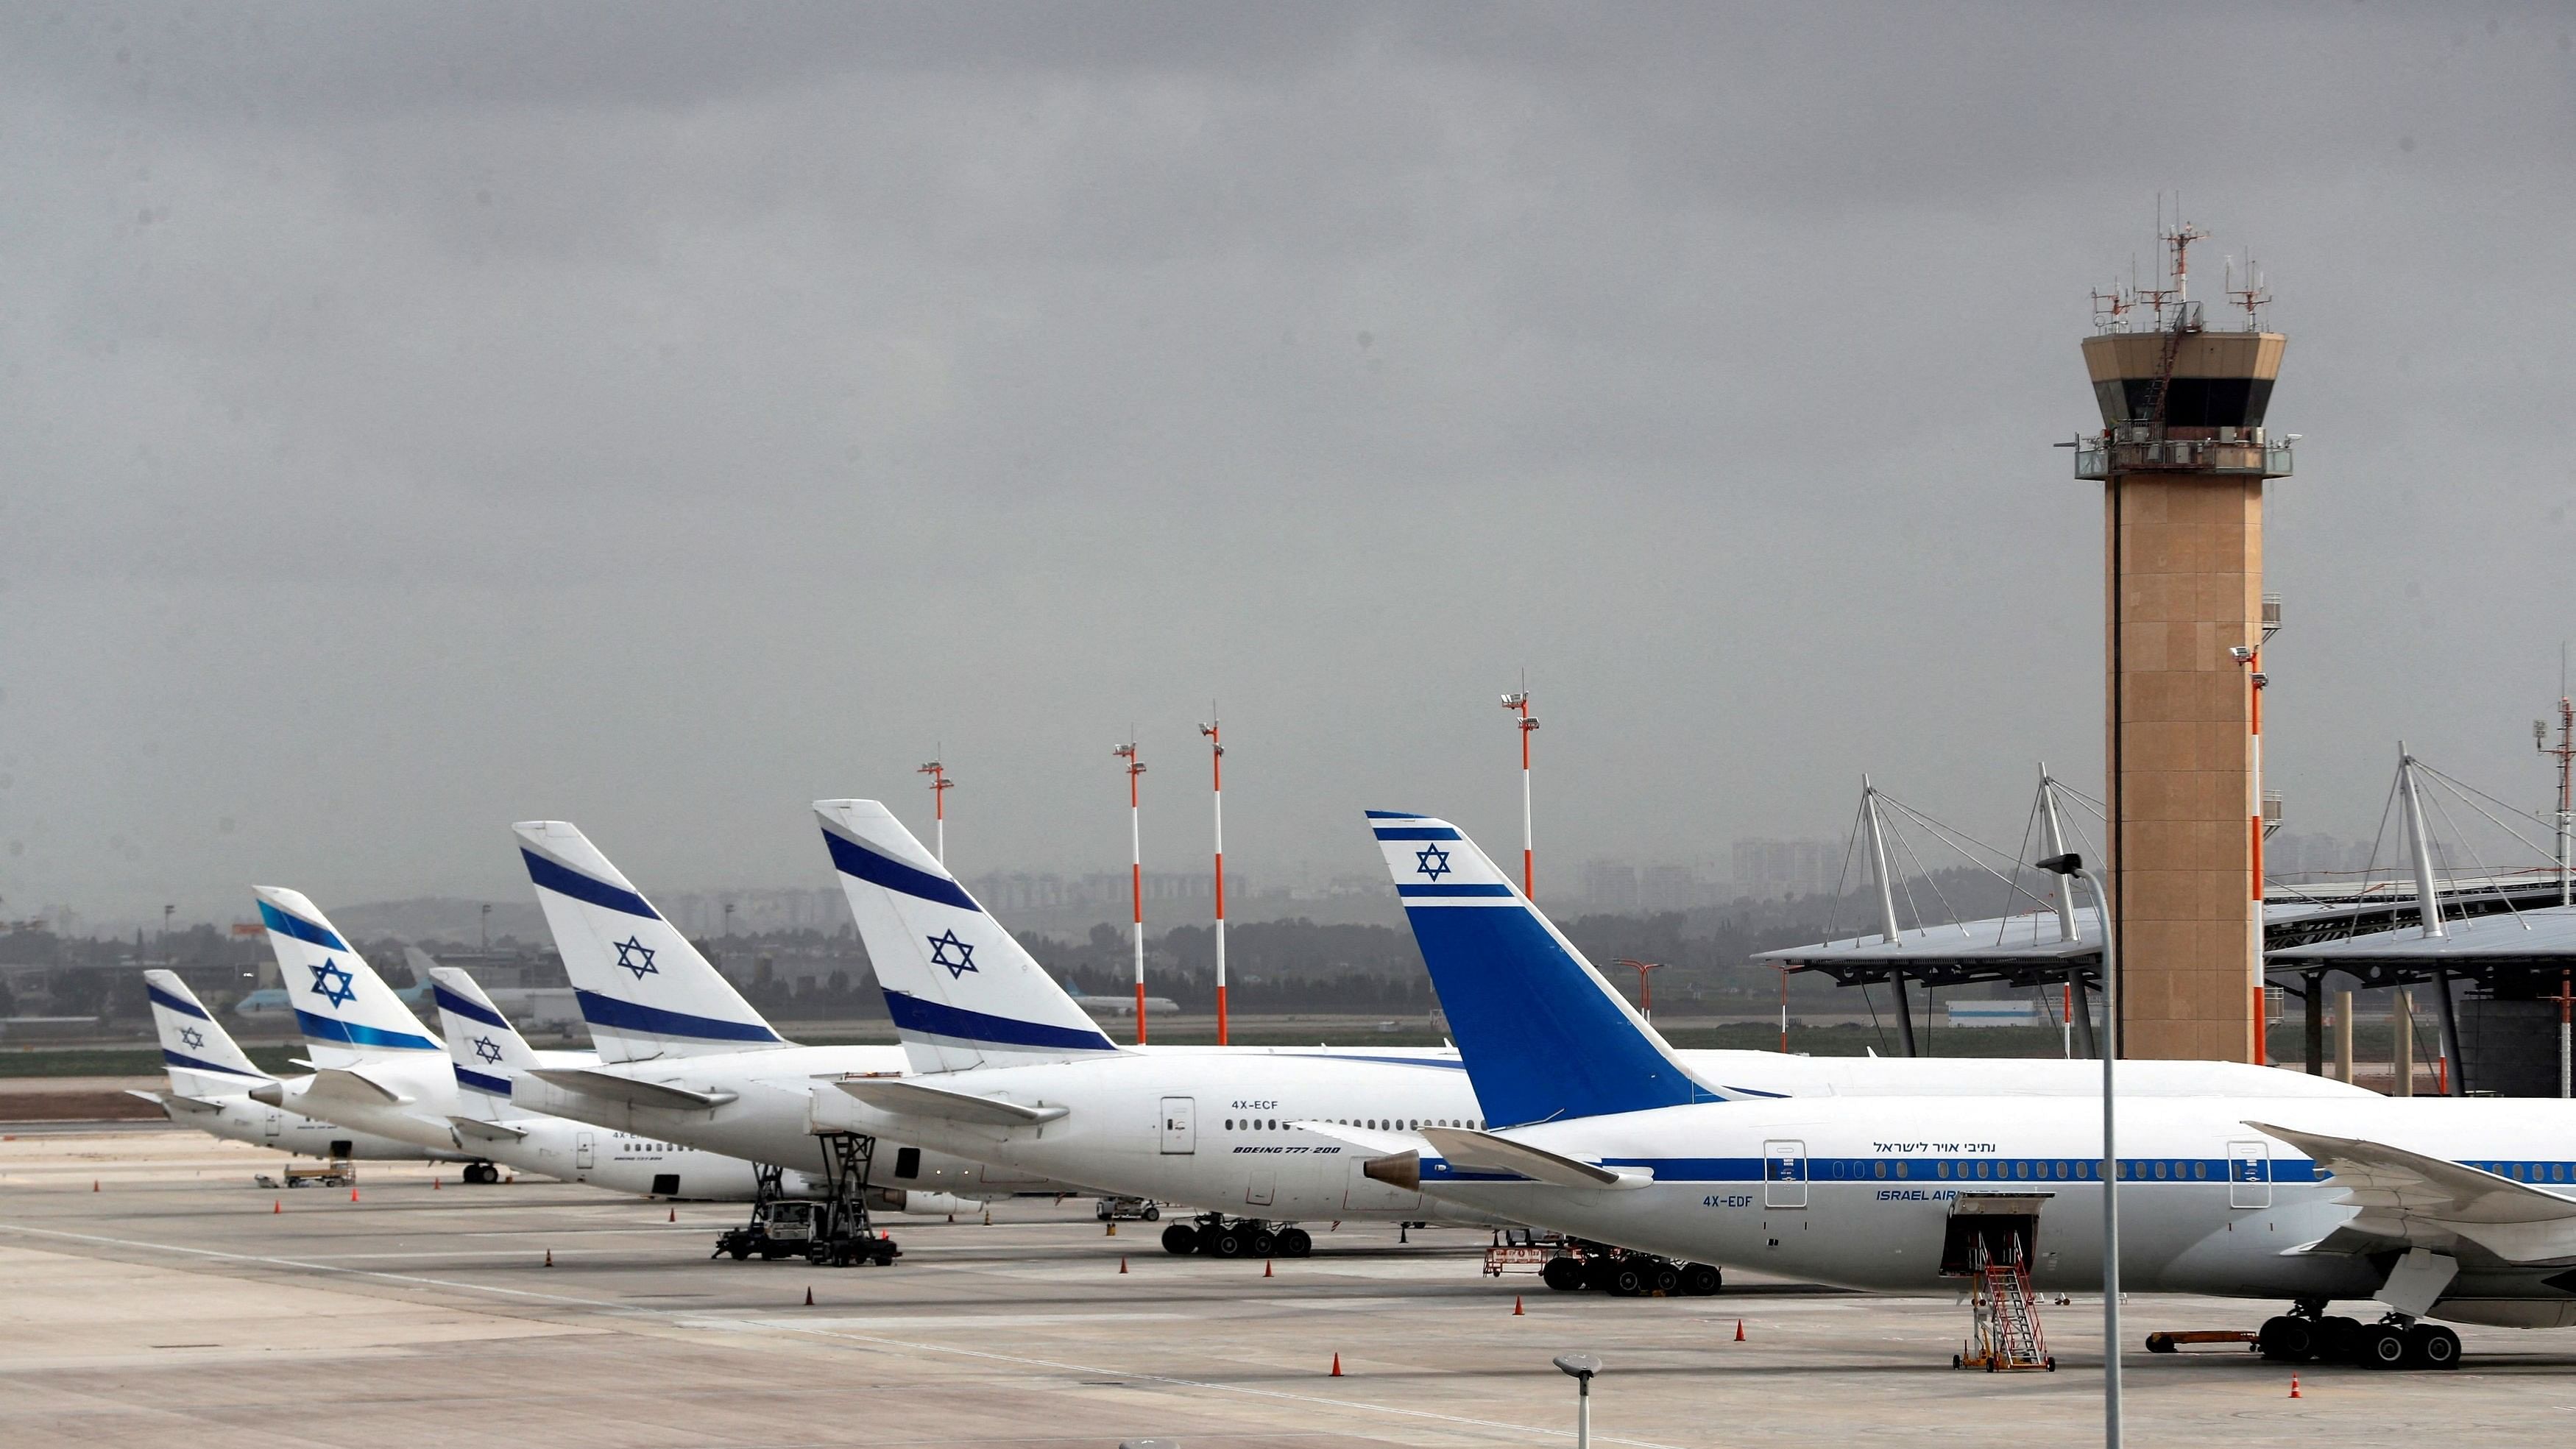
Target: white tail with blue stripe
1543, 1034
486, 1050
344, 1009
645, 991
962, 991
202, 1057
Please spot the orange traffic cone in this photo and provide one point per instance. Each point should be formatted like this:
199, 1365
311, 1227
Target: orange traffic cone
1265, 1267
1122, 1263
809, 1296
1337, 1367
433, 1184
550, 1257
675, 1215
276, 1205
2294, 1387
1516, 1306
1739, 1330
353, 1194
93, 1184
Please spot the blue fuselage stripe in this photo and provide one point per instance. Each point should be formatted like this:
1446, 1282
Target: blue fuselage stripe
609, 1011
471, 1010
179, 1004
851, 858
300, 928
1968, 1172
931, 1018
564, 880
343, 1033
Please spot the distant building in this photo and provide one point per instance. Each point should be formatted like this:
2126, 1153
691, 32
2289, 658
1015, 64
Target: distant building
1610, 885
1771, 868
1671, 888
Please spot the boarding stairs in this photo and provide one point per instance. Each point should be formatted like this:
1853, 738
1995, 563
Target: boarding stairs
2004, 1334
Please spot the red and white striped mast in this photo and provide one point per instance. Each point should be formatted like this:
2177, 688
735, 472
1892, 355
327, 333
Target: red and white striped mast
1136, 871
1519, 703
1216, 792
940, 785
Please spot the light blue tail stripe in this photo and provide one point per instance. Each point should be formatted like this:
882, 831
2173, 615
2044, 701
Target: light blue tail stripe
323, 1028
300, 928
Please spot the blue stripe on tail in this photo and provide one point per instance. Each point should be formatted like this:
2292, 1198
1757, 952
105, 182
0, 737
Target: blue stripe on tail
610, 1012
564, 880
852, 858
471, 1010
956, 1023
300, 928
179, 1004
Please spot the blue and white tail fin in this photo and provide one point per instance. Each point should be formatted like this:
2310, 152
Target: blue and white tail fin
962, 992
487, 1051
345, 1010
1543, 1035
202, 1057
645, 991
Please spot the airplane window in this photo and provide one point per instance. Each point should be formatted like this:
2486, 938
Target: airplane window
1274, 1124
2558, 1172
1941, 1169
2517, 1172
1905, 1169
2200, 1169
1229, 1126
2160, 1171
1981, 1167
1882, 1169
2021, 1169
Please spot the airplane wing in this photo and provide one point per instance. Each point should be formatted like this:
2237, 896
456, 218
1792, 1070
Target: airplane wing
353, 1084
917, 1099
487, 1131
180, 1100
1477, 1151
626, 1089
2411, 1200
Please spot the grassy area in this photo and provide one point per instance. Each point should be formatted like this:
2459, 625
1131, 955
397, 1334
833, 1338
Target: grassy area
123, 1061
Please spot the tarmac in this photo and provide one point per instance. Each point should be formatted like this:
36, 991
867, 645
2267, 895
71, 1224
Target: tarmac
152, 1296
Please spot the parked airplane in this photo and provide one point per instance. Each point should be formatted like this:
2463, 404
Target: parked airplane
211, 1080
1120, 1005
375, 1068
2435, 1207
1012, 1072
683, 1058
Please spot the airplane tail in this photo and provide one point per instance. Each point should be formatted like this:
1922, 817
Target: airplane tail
202, 1057
645, 991
1544, 1036
341, 1005
962, 991
487, 1051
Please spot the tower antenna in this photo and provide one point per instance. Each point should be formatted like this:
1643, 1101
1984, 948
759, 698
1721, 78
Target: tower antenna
1213, 729
940, 785
1519, 703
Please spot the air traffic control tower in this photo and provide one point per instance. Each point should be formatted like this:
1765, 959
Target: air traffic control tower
2182, 457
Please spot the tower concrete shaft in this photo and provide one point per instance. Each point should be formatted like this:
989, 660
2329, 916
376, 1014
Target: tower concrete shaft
2183, 458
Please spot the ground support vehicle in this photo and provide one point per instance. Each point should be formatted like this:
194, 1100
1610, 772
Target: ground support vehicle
834, 1232
1127, 1210
1576, 1264
1219, 1236
338, 1172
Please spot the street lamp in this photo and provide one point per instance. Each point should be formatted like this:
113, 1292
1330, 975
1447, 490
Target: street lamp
2073, 865
1581, 1367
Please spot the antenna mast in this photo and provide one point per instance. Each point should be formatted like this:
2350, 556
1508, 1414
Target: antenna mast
1136, 867
1216, 789
940, 785
1519, 702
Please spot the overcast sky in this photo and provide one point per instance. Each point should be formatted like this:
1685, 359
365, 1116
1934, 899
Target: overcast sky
417, 418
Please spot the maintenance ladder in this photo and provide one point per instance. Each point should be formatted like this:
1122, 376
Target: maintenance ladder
2004, 1320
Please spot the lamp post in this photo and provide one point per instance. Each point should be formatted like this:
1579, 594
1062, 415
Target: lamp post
1581, 1367
1645, 988
2073, 865
1216, 789
1135, 868
940, 785
1518, 702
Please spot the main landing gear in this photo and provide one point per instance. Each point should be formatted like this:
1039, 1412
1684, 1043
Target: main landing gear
1221, 1237
1623, 1274
480, 1173
2306, 1334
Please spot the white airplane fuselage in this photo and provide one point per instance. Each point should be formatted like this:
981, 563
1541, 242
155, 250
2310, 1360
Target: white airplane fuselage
1860, 1193
236, 1118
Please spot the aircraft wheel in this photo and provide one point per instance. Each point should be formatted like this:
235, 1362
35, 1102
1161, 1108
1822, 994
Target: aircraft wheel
1261, 1242
1153, 1214
1565, 1275
2339, 1340
1702, 1280
1295, 1243
2382, 1346
739, 1252
1627, 1281
1180, 1238
1668, 1280
2287, 1339
1231, 1243
2431, 1346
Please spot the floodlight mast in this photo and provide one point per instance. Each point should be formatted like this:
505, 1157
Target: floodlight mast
2073, 865
1136, 869
1518, 702
1645, 988
940, 785
1216, 790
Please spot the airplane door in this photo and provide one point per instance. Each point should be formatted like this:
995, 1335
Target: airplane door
276, 1119
1261, 1188
582, 1148
1179, 1133
1784, 1174
2249, 1174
